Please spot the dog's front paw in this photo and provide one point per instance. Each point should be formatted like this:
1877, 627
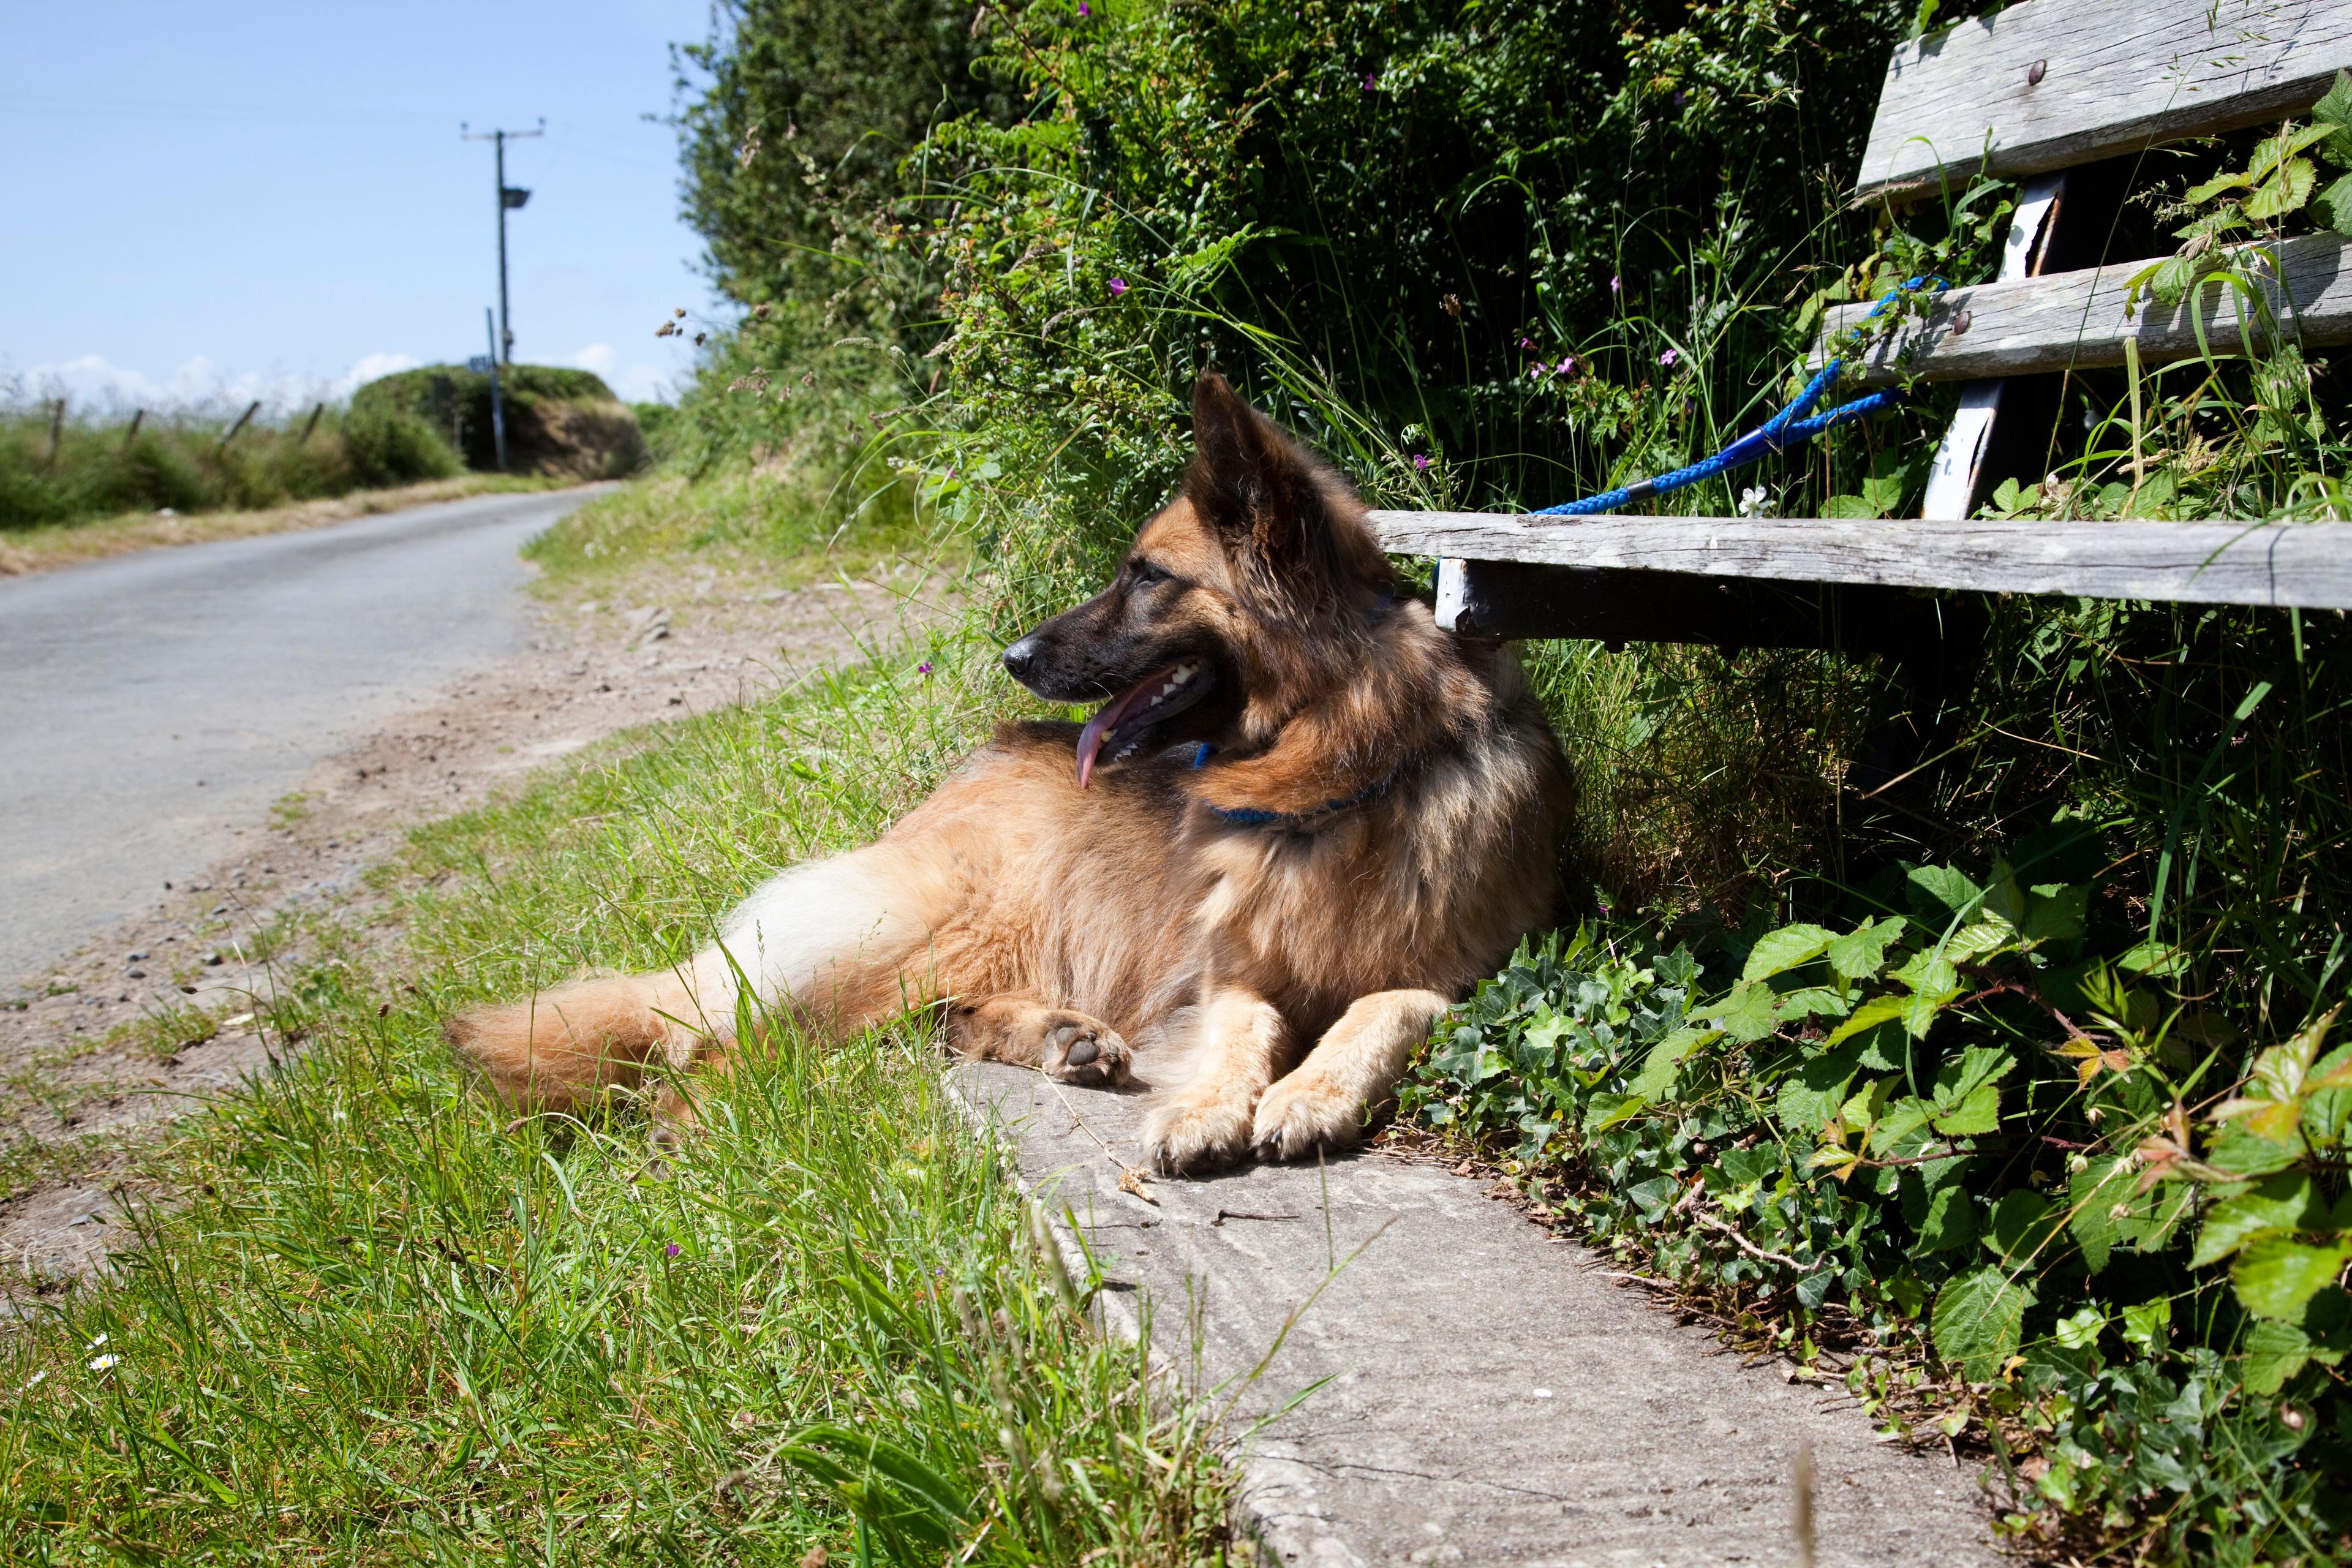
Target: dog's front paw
1079, 1049
1196, 1135
1302, 1113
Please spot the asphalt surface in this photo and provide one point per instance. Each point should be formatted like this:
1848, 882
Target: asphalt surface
150, 702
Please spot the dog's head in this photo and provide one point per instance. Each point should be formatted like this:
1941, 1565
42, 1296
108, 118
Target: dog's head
1242, 598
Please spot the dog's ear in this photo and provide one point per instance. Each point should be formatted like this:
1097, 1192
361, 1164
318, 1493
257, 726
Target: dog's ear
1253, 485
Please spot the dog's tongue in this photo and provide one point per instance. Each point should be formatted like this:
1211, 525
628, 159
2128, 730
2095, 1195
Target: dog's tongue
1105, 723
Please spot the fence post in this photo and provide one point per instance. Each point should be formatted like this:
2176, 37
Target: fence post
57, 427
138, 418
251, 409
313, 424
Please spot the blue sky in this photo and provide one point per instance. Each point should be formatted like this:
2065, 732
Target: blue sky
211, 202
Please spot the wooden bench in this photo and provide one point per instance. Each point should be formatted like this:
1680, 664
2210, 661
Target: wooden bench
2040, 89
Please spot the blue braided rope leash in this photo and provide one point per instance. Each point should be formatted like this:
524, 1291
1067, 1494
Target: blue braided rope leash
1254, 816
1251, 816
1793, 425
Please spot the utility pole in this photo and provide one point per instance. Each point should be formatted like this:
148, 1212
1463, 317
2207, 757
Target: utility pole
510, 197
497, 404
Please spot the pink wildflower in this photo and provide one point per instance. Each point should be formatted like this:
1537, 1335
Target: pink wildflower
1117, 287
1421, 461
1669, 357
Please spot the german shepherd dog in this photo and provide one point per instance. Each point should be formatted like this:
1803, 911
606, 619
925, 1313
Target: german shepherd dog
1302, 821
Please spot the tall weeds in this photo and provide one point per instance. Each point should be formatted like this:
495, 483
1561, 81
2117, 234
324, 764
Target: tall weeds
59, 466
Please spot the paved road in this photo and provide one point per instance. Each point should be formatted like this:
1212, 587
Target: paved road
150, 701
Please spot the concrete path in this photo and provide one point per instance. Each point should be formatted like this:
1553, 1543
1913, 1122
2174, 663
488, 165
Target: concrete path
151, 700
1492, 1399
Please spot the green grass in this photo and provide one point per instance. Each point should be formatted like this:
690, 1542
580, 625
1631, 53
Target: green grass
794, 524
78, 470
386, 1324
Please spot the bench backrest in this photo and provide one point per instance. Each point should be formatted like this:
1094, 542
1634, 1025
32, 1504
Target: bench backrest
2053, 83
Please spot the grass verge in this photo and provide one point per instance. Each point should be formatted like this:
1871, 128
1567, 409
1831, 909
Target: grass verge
52, 545
388, 1324
793, 527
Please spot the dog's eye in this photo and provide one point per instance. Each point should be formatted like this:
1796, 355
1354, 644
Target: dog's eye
1145, 574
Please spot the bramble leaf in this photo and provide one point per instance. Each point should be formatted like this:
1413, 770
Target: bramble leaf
2285, 191
1899, 1118
1811, 1096
1657, 1078
2285, 1202
2022, 1221
1861, 952
1810, 1001
1780, 951
1950, 1220
1746, 1013
1978, 940
1977, 1114
2197, 195
1869, 1016
2277, 1273
2091, 1199
1938, 893
2057, 915
1978, 1318
1966, 1098
2334, 107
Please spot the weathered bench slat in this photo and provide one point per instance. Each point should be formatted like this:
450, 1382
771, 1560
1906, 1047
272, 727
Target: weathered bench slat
2077, 320
2308, 565
1515, 599
2115, 75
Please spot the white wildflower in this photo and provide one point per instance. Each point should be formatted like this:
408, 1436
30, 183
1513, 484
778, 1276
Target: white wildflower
1756, 501
100, 1364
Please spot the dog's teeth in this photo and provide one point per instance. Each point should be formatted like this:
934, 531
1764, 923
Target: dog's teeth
1182, 675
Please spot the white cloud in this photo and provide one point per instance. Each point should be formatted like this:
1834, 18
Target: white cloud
92, 384
369, 368
632, 384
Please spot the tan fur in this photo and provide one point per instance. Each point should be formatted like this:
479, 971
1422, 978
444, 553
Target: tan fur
1060, 922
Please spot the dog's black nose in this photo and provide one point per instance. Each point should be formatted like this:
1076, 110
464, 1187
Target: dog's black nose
1021, 658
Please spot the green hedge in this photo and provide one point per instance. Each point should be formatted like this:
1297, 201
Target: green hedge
559, 421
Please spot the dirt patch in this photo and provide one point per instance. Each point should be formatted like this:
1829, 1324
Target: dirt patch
137, 1027
42, 549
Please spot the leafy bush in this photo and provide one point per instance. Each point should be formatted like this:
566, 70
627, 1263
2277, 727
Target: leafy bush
800, 132
387, 445
1943, 1143
559, 421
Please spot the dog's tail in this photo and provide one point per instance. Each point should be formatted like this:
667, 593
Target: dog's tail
567, 1045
